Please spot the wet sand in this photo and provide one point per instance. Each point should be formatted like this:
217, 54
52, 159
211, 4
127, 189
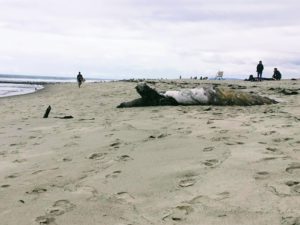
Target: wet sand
152, 165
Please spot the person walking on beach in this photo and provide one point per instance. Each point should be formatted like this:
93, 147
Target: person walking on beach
277, 74
259, 70
80, 79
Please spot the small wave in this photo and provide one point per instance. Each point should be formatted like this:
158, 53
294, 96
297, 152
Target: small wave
10, 89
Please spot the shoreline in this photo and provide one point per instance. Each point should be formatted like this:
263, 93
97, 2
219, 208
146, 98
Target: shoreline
25, 82
15, 89
149, 81
34, 83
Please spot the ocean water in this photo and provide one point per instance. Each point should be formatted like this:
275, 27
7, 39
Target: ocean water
10, 89
11, 85
24, 84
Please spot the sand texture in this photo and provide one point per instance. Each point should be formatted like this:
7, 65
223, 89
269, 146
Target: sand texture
200, 165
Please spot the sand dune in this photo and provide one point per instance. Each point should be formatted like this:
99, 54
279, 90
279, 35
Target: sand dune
151, 165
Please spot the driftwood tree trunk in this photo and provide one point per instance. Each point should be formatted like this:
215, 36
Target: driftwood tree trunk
47, 112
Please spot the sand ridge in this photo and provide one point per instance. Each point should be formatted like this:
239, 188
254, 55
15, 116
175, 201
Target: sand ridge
149, 165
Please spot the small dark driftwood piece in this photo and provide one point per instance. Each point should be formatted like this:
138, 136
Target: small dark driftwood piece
289, 92
47, 112
59, 117
64, 117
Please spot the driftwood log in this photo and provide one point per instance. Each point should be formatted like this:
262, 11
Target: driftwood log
197, 96
46, 114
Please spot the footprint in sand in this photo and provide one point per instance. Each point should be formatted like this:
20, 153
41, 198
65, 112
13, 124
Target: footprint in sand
219, 139
89, 192
75, 137
268, 158
40, 171
274, 150
223, 131
157, 136
278, 140
179, 213
279, 190
290, 220
269, 133
19, 160
124, 196
37, 190
97, 156
234, 143
45, 220
55, 211
208, 149
114, 174
222, 195
210, 122
296, 189
292, 167
123, 158
12, 176
115, 144
292, 183
18, 144
186, 131
3, 153
60, 207
211, 162
246, 124
67, 159
187, 182
71, 144
261, 175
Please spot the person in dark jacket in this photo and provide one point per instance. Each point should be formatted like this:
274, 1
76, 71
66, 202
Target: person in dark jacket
259, 70
80, 79
277, 74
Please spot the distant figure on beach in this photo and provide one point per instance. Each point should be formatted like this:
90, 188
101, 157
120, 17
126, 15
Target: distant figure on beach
259, 70
251, 78
80, 79
277, 74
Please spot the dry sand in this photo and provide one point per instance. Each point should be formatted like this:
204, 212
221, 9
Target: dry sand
152, 165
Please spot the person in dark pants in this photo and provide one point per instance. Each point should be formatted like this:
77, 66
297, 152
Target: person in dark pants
277, 74
259, 70
80, 79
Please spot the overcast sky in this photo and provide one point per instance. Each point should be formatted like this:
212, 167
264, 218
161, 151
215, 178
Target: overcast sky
149, 38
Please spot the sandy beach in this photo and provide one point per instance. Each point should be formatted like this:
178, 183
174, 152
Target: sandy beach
198, 165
